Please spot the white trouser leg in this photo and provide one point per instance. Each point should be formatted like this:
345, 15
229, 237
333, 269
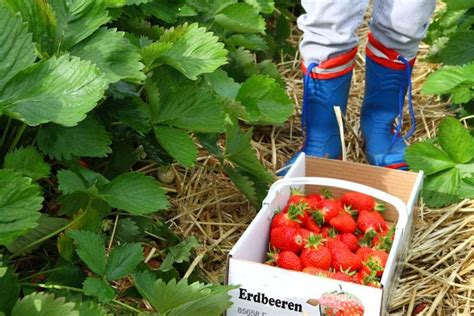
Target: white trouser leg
329, 27
401, 24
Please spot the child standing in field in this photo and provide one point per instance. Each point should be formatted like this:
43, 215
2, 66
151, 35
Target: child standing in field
329, 48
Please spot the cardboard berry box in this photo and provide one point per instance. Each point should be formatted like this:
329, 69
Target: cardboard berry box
267, 290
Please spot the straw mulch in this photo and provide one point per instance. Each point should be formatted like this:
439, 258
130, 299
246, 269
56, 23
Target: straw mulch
438, 274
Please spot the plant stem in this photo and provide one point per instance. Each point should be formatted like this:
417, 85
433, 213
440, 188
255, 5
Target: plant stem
75, 289
5, 132
18, 135
36, 242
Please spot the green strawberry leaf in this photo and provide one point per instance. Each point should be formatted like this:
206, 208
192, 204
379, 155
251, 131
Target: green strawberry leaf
456, 140
253, 42
10, 291
264, 6
449, 77
165, 10
122, 3
178, 144
77, 20
43, 304
28, 162
70, 182
20, 201
99, 288
466, 188
90, 140
41, 22
239, 151
189, 49
91, 309
459, 4
17, 50
459, 49
91, 249
241, 18
264, 100
135, 193
441, 189
59, 90
123, 260
243, 183
179, 253
190, 107
427, 157
46, 225
113, 54
180, 298
222, 84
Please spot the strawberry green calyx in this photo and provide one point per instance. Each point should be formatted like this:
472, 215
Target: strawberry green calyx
295, 191
350, 211
318, 218
314, 241
385, 242
295, 211
326, 193
379, 207
272, 256
369, 236
373, 265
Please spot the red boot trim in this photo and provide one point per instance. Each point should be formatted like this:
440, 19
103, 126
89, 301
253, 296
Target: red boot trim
384, 56
333, 67
397, 165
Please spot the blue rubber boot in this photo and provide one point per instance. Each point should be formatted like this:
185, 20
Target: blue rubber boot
385, 90
318, 120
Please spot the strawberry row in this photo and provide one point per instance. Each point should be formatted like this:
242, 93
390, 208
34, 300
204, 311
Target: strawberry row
345, 238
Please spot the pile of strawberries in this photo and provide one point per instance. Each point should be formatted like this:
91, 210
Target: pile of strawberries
342, 238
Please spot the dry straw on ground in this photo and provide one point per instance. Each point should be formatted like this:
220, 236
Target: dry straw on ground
439, 271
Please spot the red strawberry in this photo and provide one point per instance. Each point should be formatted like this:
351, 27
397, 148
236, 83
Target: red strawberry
328, 231
315, 254
318, 272
296, 197
286, 238
350, 240
289, 219
364, 253
375, 262
338, 304
345, 260
342, 276
361, 202
310, 224
313, 200
335, 244
288, 260
305, 234
370, 223
327, 209
344, 223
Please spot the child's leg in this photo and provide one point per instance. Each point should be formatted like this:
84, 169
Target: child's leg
328, 49
397, 28
329, 27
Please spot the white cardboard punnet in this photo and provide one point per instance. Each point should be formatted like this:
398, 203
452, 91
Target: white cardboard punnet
266, 290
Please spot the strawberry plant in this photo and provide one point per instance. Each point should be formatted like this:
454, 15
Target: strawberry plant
90, 92
448, 159
448, 164
451, 36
